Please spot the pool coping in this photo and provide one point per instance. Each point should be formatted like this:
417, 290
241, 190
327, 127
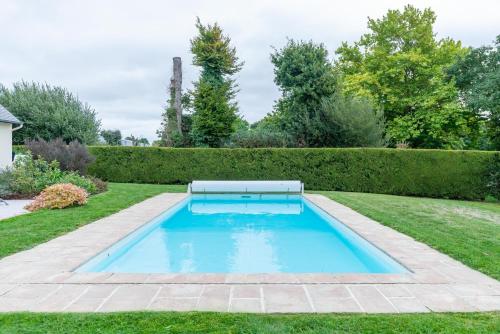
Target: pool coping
436, 281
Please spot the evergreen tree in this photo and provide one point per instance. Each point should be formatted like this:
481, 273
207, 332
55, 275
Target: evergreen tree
477, 76
213, 103
305, 77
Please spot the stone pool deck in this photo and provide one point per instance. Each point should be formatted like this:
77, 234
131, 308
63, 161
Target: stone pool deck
42, 278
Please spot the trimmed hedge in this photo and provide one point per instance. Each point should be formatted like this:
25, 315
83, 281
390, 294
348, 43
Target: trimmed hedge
430, 173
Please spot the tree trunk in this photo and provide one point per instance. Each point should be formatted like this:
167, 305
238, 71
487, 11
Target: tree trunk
177, 85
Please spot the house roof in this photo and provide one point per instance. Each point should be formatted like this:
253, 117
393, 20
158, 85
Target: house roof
7, 117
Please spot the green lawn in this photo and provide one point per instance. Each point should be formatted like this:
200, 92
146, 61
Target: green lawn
467, 231
25, 231
167, 322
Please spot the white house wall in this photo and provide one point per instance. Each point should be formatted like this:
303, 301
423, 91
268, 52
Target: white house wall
5, 144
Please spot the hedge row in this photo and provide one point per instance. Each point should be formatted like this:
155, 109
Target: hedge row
430, 173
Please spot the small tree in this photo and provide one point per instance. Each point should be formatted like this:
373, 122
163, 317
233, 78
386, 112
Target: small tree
138, 141
305, 77
213, 94
112, 137
49, 113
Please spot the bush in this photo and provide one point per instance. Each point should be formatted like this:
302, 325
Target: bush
258, 138
59, 196
29, 177
494, 176
430, 173
6, 179
79, 181
100, 185
71, 157
353, 122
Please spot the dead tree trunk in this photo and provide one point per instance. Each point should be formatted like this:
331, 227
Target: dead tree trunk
177, 86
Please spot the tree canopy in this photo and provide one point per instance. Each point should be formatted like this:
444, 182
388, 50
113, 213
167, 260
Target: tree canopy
215, 110
49, 112
112, 137
400, 65
477, 77
304, 75
313, 110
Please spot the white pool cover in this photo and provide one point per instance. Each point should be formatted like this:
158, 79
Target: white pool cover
203, 187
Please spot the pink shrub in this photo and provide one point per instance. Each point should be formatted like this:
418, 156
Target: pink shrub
59, 196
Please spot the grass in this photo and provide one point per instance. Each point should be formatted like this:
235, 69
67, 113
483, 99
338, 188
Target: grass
169, 322
466, 231
25, 231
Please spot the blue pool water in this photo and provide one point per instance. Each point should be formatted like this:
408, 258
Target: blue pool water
243, 234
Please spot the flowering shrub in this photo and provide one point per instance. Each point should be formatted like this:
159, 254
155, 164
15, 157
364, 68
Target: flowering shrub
59, 196
30, 176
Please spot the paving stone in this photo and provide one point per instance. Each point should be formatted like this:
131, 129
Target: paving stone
285, 298
85, 305
336, 305
246, 291
371, 300
408, 305
60, 299
31, 291
6, 287
130, 297
88, 278
174, 304
317, 278
126, 278
328, 291
445, 302
484, 303
393, 290
180, 290
252, 305
214, 298
471, 290
100, 291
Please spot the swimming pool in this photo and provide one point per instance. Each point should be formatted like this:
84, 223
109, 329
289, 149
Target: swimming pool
243, 233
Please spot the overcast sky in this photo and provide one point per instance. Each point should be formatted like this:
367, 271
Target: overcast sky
117, 55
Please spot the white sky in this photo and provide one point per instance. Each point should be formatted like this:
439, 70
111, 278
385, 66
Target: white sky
117, 55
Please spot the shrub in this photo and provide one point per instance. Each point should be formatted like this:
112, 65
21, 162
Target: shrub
6, 179
100, 185
30, 176
79, 181
71, 157
353, 122
494, 177
59, 196
430, 173
258, 138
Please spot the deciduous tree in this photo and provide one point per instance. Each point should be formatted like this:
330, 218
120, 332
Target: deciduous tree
50, 112
400, 65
